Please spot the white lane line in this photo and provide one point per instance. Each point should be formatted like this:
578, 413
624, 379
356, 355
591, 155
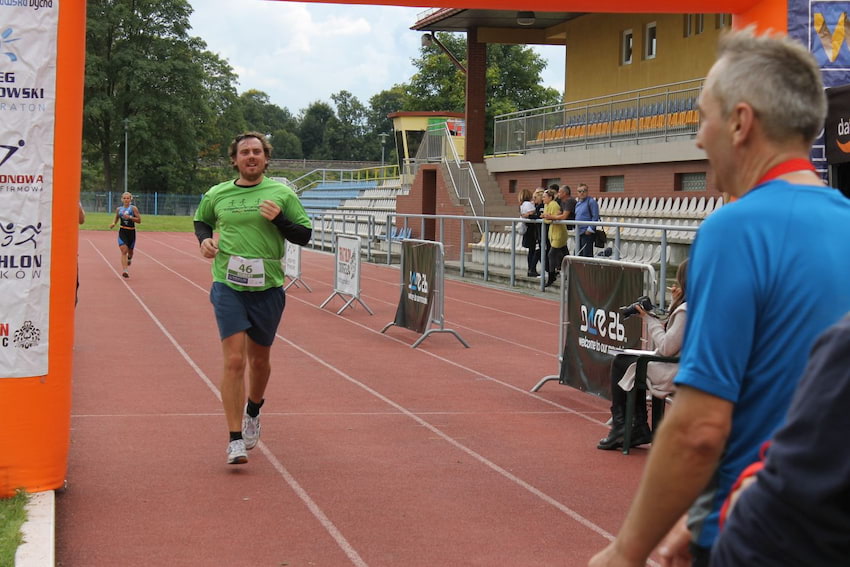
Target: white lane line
317, 512
424, 351
576, 516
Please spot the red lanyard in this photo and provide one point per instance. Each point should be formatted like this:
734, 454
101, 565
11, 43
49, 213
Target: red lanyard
796, 164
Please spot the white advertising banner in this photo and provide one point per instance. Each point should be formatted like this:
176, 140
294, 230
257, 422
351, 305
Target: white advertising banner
28, 30
292, 261
348, 265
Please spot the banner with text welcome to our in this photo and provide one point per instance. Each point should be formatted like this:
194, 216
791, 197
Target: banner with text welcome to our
595, 292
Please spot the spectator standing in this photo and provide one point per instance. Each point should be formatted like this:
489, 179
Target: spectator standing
586, 209
567, 204
759, 294
531, 235
557, 236
254, 216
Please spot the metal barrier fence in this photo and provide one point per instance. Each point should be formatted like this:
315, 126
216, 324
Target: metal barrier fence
148, 203
327, 227
616, 239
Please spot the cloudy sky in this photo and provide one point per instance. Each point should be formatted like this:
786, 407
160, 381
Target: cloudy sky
298, 53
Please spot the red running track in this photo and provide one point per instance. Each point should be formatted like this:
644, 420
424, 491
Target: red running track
373, 453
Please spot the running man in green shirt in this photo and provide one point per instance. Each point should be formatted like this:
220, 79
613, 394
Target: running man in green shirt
253, 216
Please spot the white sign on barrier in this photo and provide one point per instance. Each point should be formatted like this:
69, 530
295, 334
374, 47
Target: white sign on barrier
347, 272
348, 264
292, 266
27, 115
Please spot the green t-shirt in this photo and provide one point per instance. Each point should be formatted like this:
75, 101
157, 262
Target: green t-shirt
234, 213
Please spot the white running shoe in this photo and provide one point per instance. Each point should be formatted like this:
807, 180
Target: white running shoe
236, 452
250, 429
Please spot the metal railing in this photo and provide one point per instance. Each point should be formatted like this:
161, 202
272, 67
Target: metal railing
327, 225
613, 229
318, 176
438, 146
621, 117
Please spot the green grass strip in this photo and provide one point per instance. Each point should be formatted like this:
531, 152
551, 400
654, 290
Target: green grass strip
150, 223
13, 514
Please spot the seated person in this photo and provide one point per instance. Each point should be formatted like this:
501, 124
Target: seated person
667, 340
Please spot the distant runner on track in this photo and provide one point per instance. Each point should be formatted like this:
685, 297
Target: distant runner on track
128, 216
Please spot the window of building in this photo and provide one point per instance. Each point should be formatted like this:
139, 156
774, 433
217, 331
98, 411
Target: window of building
690, 181
694, 24
649, 41
512, 186
723, 21
613, 183
626, 43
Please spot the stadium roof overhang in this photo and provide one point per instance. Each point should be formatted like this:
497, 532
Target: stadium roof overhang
498, 26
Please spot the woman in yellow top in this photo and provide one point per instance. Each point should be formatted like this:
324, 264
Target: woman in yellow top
557, 234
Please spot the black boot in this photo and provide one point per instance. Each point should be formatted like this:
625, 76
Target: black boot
641, 434
614, 439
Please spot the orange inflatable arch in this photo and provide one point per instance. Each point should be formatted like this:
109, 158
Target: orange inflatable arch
35, 412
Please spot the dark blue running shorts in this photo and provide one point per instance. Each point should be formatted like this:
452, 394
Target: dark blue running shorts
256, 312
127, 238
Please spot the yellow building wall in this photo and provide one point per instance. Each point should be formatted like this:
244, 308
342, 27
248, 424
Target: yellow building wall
593, 53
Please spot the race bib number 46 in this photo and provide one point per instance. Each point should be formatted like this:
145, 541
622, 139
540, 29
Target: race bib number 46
249, 272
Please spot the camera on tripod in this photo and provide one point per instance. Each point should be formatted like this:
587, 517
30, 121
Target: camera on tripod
644, 301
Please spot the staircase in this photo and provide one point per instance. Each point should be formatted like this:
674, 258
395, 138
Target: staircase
494, 201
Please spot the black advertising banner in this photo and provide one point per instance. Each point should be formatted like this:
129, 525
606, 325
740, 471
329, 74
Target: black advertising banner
595, 293
418, 268
837, 126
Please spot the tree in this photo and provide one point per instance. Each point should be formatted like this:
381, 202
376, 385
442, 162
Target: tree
513, 80
347, 132
263, 116
377, 123
315, 126
437, 84
286, 144
144, 73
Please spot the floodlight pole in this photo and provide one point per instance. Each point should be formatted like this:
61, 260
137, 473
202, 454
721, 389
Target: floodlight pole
383, 136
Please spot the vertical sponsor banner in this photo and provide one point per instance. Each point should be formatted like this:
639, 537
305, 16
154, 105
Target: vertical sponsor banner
595, 293
348, 265
42, 70
27, 105
837, 128
822, 26
418, 268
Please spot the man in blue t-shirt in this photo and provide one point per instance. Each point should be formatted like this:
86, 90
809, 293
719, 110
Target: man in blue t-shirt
760, 290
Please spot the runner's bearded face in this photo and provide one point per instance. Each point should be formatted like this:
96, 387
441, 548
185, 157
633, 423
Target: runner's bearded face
250, 160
